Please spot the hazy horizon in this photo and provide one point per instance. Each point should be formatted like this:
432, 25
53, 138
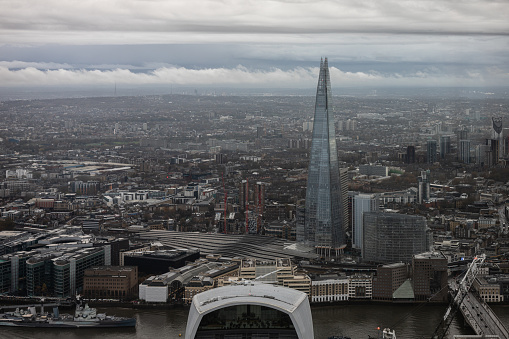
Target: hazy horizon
59, 92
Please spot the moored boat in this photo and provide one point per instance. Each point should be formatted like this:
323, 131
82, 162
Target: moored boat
84, 317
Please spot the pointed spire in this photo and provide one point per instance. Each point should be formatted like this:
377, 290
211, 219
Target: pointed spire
323, 224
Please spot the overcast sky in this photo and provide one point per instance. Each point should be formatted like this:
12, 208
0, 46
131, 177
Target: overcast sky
254, 43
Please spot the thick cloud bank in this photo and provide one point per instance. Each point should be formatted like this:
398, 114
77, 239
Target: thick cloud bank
294, 78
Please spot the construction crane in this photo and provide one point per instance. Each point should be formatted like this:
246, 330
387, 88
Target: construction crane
225, 199
462, 291
247, 205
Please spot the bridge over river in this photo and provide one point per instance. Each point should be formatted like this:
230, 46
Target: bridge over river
481, 317
476, 312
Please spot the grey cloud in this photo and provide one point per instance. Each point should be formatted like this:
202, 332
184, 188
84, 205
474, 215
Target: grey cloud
238, 18
343, 50
38, 65
391, 42
294, 78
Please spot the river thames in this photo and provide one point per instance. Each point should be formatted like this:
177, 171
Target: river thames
356, 321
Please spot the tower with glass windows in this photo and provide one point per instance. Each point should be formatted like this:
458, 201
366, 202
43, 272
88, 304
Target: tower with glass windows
323, 227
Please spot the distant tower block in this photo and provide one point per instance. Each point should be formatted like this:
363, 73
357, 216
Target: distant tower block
497, 126
462, 135
431, 148
423, 187
464, 151
445, 145
410, 154
505, 141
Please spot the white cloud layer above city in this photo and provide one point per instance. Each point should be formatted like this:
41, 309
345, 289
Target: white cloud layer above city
254, 43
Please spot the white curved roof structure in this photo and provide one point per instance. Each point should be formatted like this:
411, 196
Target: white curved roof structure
286, 300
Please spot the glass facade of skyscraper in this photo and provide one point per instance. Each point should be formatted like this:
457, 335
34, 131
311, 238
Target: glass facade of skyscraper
323, 221
393, 237
361, 203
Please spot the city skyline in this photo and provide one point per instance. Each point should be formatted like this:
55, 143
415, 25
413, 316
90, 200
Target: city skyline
267, 44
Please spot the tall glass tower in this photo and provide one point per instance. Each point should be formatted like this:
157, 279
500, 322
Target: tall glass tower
323, 225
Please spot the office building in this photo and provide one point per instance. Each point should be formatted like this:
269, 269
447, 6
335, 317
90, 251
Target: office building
280, 229
361, 203
464, 151
377, 170
307, 126
431, 149
84, 188
329, 288
493, 152
301, 282
423, 193
244, 194
360, 286
119, 282
388, 279
13, 271
347, 125
158, 262
408, 196
300, 221
115, 246
461, 134
393, 237
275, 211
268, 271
505, 142
482, 155
430, 276
260, 132
221, 158
343, 182
410, 155
250, 310
489, 289
445, 145
324, 219
61, 273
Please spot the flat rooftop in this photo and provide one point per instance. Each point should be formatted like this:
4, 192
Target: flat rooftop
430, 255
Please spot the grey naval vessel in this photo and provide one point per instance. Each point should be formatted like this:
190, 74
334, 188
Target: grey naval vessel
84, 317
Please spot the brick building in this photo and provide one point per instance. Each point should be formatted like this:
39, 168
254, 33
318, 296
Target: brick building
430, 276
388, 279
117, 282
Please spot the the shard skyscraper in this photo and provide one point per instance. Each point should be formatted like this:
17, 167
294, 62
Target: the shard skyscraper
323, 227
